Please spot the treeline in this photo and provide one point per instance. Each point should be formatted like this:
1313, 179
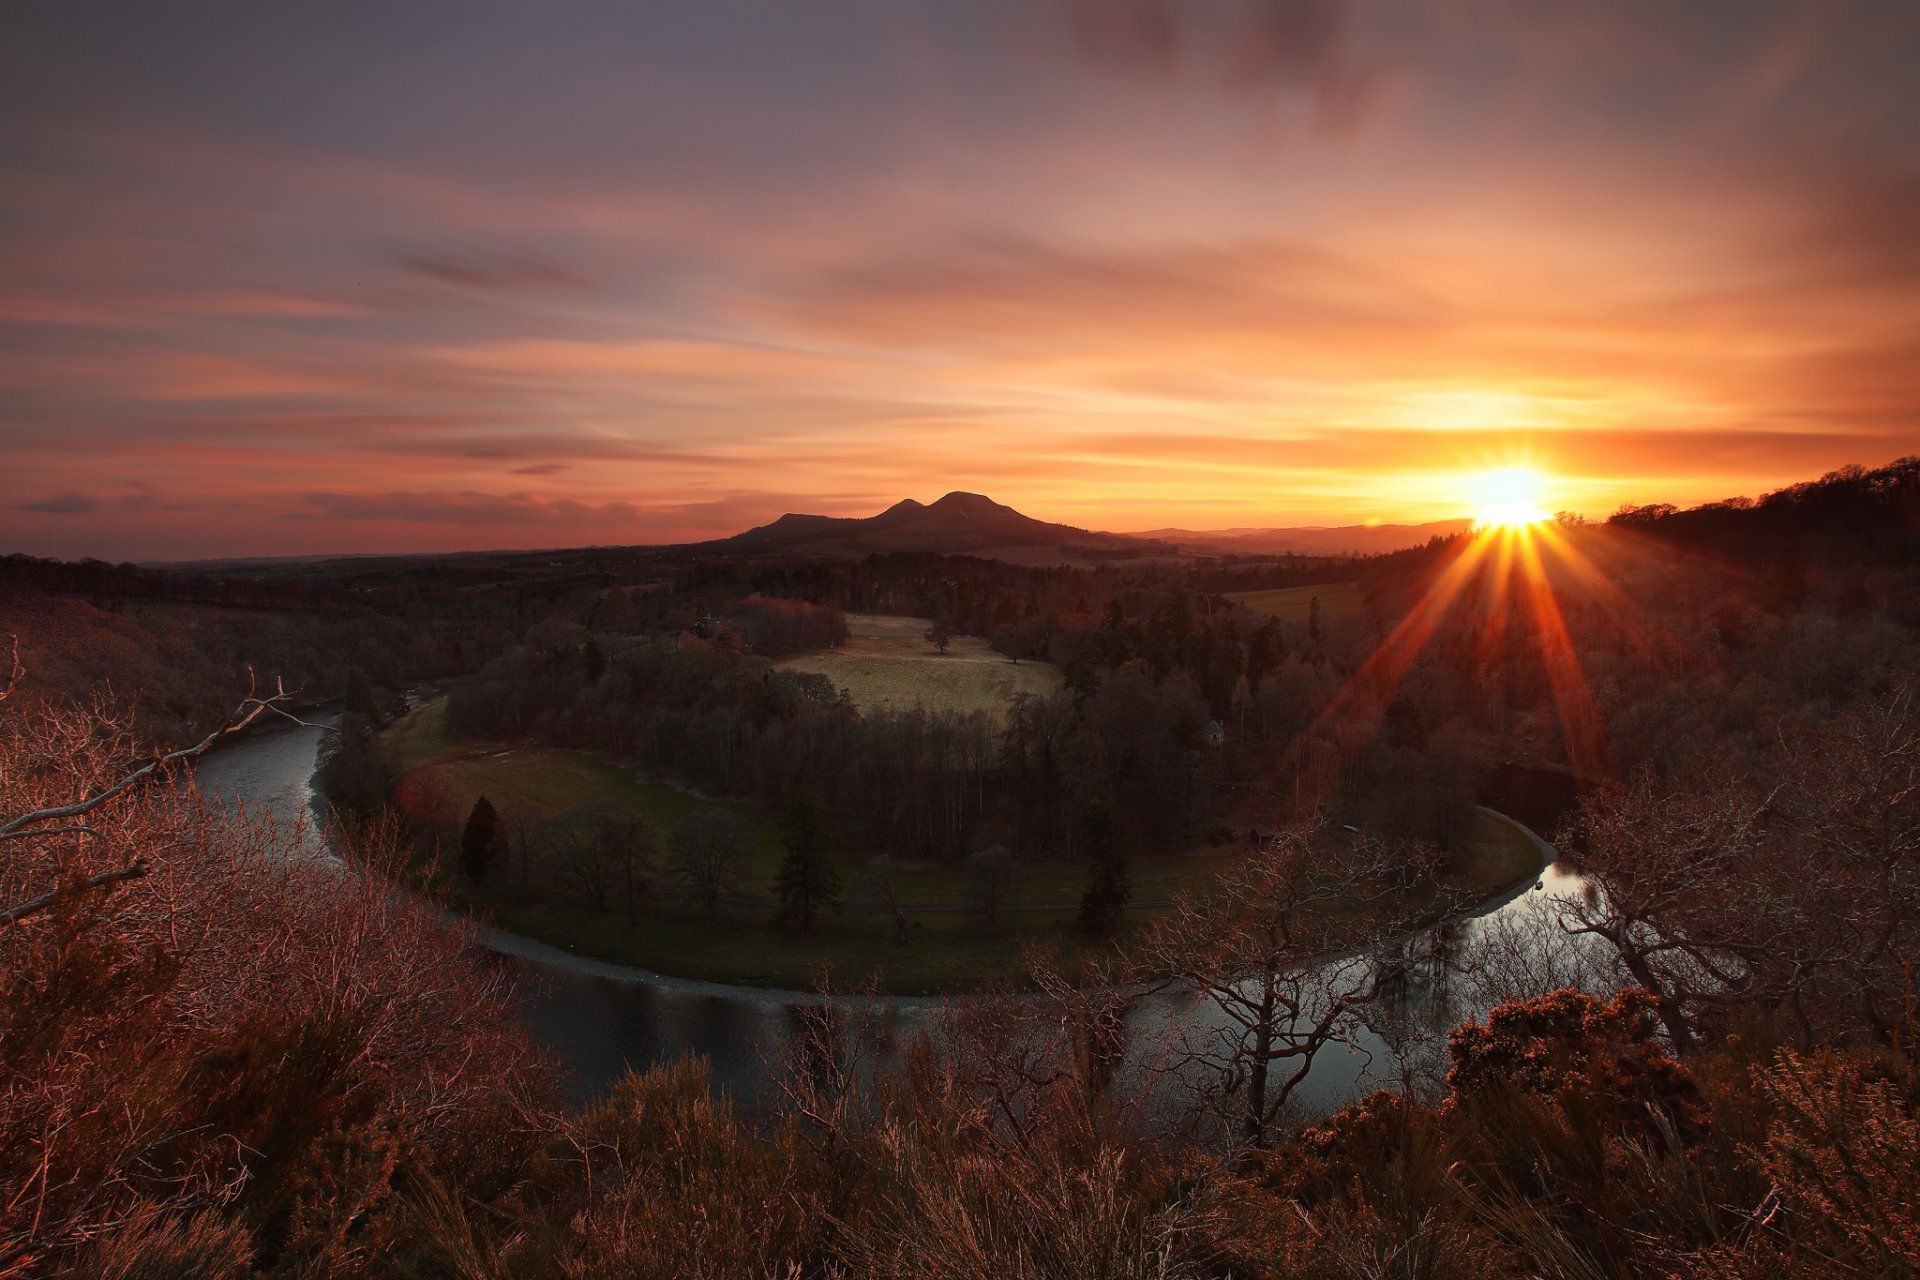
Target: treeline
181, 667
126, 581
1853, 513
1128, 740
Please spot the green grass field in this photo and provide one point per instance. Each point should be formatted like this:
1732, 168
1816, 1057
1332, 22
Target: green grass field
1290, 604
947, 949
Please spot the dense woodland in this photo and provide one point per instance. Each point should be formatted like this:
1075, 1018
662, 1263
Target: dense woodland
215, 1064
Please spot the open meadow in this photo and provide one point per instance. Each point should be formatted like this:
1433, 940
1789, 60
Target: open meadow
888, 662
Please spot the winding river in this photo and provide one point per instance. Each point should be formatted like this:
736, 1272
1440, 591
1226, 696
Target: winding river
600, 1019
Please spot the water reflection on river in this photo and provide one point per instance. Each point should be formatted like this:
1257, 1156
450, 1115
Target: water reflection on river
600, 1019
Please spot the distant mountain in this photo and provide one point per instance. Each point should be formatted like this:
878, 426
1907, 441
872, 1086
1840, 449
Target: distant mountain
974, 524
958, 524
1350, 539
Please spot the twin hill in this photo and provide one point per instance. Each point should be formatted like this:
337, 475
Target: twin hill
974, 524
958, 524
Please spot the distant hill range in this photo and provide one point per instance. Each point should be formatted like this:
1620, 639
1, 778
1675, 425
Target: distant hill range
958, 524
1312, 540
973, 524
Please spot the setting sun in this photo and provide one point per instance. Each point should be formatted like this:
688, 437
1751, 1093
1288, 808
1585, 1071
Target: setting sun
1507, 498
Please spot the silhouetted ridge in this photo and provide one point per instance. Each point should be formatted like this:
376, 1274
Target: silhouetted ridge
958, 522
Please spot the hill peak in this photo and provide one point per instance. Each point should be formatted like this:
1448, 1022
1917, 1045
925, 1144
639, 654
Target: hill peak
957, 523
962, 501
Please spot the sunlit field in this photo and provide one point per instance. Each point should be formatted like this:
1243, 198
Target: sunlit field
888, 662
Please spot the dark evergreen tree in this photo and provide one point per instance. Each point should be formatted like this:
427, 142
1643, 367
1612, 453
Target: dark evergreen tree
1265, 650
1109, 886
360, 699
807, 883
478, 840
351, 776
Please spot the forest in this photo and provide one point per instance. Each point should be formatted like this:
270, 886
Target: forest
217, 1062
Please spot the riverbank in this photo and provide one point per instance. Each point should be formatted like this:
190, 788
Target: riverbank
906, 929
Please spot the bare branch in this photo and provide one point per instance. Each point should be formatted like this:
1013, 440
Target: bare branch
133, 871
30, 833
251, 708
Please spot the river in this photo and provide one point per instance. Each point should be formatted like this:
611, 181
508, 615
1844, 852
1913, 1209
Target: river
599, 1019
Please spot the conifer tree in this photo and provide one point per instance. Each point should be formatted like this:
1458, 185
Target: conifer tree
1109, 886
478, 840
807, 883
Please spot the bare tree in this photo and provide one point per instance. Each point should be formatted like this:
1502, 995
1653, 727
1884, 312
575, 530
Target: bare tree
1854, 795
603, 854
1692, 896
578, 867
1278, 957
989, 881
706, 854
625, 840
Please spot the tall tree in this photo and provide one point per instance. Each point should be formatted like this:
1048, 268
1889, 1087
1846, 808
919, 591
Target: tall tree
807, 883
1109, 886
360, 699
705, 854
624, 841
1256, 948
478, 840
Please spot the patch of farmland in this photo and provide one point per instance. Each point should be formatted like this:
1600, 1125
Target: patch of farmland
887, 662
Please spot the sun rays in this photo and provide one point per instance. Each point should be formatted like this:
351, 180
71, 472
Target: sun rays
1499, 595
1507, 498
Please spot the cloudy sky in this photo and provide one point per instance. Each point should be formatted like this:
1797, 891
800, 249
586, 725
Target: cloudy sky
392, 276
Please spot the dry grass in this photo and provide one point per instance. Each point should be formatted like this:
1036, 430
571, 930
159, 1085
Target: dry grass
887, 662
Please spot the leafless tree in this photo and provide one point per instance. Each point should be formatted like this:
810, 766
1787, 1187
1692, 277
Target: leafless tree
705, 856
1854, 796
1025, 1064
1279, 958
989, 882
1692, 894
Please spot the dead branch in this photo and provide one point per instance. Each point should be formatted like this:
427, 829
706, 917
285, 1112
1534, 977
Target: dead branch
251, 708
133, 871
32, 833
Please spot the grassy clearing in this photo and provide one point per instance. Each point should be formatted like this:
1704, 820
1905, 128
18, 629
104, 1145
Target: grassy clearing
887, 662
1291, 604
947, 948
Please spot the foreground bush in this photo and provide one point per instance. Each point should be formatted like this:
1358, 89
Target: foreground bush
224, 1057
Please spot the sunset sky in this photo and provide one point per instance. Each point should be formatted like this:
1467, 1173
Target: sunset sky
345, 278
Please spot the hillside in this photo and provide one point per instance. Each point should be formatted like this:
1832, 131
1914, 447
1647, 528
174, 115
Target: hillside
1341, 540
